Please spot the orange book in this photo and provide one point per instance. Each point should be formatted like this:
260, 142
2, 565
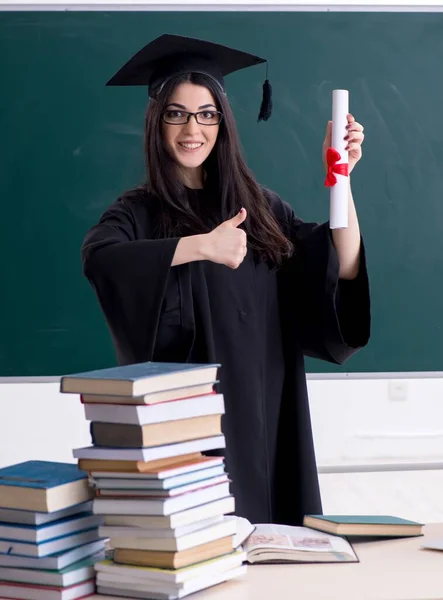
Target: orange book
138, 466
191, 391
171, 559
116, 435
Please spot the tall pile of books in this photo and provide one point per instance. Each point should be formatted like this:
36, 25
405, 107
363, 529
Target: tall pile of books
164, 503
49, 539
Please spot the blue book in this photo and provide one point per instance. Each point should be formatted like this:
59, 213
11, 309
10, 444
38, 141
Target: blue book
49, 531
29, 517
43, 486
139, 379
54, 562
49, 547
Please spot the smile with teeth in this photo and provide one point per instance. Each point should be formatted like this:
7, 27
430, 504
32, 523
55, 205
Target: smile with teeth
190, 146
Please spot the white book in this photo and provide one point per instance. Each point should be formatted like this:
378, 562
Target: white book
189, 391
146, 506
133, 483
222, 506
135, 590
55, 562
211, 404
29, 517
50, 547
244, 529
108, 531
176, 491
168, 576
435, 544
204, 462
196, 538
152, 453
44, 533
10, 590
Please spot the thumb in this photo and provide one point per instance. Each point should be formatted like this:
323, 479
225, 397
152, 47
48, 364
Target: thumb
328, 134
239, 218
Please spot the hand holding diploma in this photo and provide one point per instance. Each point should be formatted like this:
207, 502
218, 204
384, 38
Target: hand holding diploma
341, 152
343, 222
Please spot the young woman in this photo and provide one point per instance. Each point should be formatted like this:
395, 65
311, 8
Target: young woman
202, 264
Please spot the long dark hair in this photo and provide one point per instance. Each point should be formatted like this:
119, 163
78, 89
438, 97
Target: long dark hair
227, 178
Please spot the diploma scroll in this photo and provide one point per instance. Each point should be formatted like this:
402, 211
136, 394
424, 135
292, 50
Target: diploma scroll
337, 159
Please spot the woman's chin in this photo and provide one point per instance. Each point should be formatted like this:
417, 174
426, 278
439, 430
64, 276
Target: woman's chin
193, 162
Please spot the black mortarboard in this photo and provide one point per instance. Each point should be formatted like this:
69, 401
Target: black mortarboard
171, 55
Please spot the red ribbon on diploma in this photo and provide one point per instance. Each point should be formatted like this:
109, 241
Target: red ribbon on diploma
332, 157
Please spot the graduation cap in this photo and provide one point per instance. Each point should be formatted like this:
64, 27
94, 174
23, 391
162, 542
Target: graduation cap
169, 56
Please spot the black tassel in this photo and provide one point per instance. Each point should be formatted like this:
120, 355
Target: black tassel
266, 104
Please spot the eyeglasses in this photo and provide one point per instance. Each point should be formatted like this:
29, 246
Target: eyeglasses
181, 117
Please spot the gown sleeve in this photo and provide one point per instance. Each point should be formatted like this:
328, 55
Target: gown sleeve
330, 315
129, 274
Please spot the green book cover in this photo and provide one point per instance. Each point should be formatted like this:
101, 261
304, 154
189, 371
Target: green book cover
364, 519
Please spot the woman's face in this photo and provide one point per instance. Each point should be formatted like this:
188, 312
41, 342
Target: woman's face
190, 143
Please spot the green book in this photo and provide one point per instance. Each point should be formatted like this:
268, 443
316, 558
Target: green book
364, 525
73, 574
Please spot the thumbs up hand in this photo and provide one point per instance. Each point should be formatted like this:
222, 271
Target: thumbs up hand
226, 244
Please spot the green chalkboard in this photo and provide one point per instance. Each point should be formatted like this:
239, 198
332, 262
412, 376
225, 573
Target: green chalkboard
70, 146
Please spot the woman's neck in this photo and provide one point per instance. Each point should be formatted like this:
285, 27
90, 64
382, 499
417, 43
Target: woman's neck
192, 178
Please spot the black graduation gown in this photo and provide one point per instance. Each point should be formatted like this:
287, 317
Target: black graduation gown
257, 322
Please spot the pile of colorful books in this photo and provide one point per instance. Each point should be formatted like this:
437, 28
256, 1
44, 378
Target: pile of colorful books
49, 538
163, 501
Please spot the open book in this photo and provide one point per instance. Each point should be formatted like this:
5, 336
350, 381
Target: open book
269, 543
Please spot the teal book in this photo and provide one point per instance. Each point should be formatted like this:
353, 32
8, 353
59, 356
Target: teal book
364, 525
70, 575
54, 562
139, 379
43, 486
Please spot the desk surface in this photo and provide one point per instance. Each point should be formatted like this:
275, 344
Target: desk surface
388, 570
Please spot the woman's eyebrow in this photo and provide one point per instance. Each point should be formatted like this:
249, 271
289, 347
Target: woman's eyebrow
184, 107
177, 105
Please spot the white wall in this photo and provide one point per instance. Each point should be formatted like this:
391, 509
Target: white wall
377, 420
354, 421
37, 422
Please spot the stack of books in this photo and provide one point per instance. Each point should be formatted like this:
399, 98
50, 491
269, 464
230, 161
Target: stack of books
49, 538
164, 503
